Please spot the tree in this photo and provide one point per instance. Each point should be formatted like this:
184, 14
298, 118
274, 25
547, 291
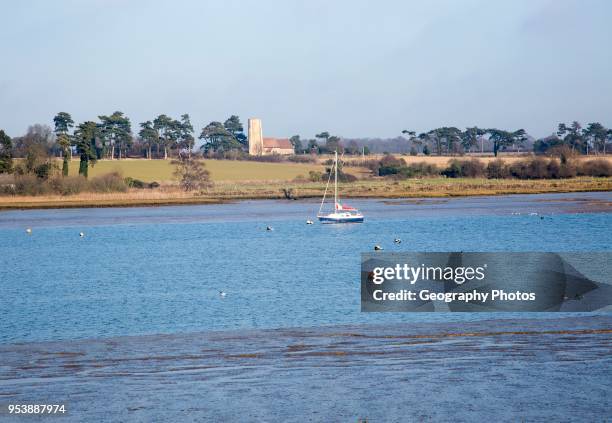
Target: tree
572, 136
85, 142
598, 135
63, 141
164, 126
424, 139
414, 141
115, 130
296, 142
519, 137
149, 136
544, 145
352, 148
323, 135
218, 138
6, 153
234, 127
333, 144
38, 135
499, 138
448, 137
191, 173
313, 147
186, 140
470, 137
63, 122
502, 139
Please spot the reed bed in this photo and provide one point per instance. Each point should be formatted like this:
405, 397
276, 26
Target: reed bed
276, 189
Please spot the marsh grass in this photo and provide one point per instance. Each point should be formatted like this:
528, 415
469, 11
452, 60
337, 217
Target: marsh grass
276, 189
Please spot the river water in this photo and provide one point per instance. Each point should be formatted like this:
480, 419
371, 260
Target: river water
160, 269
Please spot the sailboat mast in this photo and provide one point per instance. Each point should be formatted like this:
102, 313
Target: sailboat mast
336, 184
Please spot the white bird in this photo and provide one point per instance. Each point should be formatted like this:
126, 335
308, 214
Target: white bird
269, 228
222, 294
397, 241
309, 222
377, 247
29, 230
81, 234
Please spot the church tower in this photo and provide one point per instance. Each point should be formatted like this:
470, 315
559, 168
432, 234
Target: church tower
255, 137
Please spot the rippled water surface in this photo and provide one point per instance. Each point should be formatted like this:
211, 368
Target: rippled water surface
159, 270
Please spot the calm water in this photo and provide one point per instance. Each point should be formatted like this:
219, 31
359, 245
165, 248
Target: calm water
159, 270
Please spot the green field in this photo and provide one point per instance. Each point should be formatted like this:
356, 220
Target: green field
220, 170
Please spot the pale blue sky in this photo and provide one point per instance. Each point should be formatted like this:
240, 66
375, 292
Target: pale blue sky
354, 68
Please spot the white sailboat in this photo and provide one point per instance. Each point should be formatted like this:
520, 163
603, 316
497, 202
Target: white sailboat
342, 213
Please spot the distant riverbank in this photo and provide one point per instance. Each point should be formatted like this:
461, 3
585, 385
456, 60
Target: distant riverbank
259, 190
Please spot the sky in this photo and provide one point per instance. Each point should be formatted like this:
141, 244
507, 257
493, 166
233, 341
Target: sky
353, 68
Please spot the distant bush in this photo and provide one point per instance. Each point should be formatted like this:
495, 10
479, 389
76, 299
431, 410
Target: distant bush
464, 169
417, 170
315, 176
135, 183
272, 158
346, 177
597, 167
534, 168
497, 169
302, 159
390, 165
110, 182
30, 185
560, 169
68, 185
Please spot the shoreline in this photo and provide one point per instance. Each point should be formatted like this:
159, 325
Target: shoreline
249, 190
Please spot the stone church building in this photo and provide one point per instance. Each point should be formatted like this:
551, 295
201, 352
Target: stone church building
260, 146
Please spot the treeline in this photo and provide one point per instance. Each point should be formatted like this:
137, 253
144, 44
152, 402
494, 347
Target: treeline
529, 168
112, 137
593, 139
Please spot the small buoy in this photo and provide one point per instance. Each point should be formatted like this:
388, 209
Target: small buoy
397, 241
309, 222
222, 294
269, 228
29, 230
377, 248
81, 234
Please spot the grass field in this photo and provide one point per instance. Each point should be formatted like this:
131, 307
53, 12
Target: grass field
220, 170
230, 170
442, 161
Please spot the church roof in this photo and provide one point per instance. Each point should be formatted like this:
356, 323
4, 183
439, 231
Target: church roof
277, 143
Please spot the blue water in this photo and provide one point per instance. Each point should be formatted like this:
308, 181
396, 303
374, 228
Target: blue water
159, 270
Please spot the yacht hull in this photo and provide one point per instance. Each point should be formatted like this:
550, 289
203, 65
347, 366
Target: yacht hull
354, 219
